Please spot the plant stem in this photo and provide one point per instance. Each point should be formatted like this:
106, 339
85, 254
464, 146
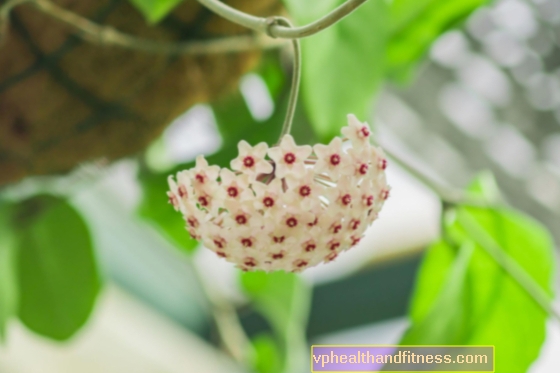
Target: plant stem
508, 264
106, 35
277, 30
296, 78
449, 195
232, 335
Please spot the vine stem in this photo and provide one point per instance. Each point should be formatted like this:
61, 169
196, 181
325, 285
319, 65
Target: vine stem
454, 197
107, 35
508, 264
278, 30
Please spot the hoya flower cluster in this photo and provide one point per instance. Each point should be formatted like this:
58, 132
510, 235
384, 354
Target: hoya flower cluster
286, 207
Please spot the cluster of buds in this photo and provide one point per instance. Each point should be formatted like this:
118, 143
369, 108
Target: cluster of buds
286, 207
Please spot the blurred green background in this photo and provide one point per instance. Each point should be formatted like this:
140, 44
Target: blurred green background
97, 273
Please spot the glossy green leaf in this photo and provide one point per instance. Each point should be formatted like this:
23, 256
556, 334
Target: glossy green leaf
480, 304
155, 10
57, 272
8, 279
343, 65
268, 358
415, 24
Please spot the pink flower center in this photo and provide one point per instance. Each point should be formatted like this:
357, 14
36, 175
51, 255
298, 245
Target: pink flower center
291, 222
363, 169
364, 131
268, 202
248, 161
304, 191
203, 201
241, 219
289, 158
346, 199
232, 191
335, 159
247, 242
277, 256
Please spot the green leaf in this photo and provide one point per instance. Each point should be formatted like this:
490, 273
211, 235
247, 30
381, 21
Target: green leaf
415, 24
283, 299
268, 358
155, 10
8, 279
343, 65
57, 272
477, 302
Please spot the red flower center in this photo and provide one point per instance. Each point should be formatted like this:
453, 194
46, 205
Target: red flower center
363, 168
336, 228
182, 191
203, 201
277, 256
241, 219
199, 178
334, 245
291, 222
268, 202
355, 240
304, 191
279, 239
173, 200
335, 159
364, 131
219, 242
332, 256
247, 242
300, 263
385, 194
232, 191
310, 247
369, 200
346, 199
192, 222
248, 161
314, 222
221, 254
354, 224
383, 164
289, 158
250, 262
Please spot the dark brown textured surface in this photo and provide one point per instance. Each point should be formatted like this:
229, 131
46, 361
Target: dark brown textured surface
64, 101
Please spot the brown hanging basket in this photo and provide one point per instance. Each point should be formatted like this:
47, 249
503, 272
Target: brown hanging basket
64, 101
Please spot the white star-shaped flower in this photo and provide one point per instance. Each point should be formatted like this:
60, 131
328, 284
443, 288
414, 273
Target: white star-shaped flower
357, 132
289, 158
251, 160
331, 159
